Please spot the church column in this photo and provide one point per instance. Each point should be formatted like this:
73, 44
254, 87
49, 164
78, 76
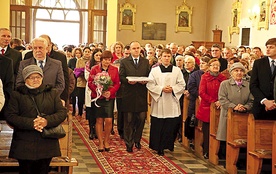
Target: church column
112, 21
5, 14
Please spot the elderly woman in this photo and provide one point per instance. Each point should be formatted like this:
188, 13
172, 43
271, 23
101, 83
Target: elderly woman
166, 85
192, 87
105, 102
233, 93
33, 152
208, 92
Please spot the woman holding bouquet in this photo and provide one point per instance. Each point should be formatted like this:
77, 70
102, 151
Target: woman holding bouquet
104, 82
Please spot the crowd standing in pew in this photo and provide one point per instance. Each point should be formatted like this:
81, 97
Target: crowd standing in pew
205, 84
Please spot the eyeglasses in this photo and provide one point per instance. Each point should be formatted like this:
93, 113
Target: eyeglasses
35, 78
215, 65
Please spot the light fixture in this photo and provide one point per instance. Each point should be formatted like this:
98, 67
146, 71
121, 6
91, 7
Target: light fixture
254, 12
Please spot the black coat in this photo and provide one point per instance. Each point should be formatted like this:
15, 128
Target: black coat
134, 97
61, 57
7, 77
15, 56
27, 143
261, 86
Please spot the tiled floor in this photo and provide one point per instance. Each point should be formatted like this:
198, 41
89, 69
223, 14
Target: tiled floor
182, 157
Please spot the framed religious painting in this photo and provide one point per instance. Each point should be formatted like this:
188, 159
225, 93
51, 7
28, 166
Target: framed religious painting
184, 18
263, 17
235, 18
127, 16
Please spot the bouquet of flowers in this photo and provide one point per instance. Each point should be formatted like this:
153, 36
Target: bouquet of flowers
103, 81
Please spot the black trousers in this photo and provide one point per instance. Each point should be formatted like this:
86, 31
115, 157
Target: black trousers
133, 127
206, 133
90, 115
40, 166
120, 117
81, 96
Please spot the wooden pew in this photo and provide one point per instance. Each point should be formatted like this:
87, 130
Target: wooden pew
274, 149
64, 163
185, 140
259, 143
198, 134
213, 142
236, 138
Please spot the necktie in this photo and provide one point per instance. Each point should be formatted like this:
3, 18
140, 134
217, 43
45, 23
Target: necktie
272, 67
136, 62
3, 51
41, 64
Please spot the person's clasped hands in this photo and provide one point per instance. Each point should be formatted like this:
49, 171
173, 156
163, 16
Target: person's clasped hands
167, 89
269, 105
40, 123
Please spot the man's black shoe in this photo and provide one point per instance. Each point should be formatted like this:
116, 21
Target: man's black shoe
160, 152
122, 136
138, 145
129, 149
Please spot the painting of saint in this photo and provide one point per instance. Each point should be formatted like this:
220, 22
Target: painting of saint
263, 12
127, 18
273, 13
183, 19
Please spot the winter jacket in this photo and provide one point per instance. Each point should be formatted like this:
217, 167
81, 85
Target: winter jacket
208, 91
27, 143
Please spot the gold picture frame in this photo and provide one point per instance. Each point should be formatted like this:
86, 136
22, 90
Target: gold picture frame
184, 18
236, 17
127, 16
263, 17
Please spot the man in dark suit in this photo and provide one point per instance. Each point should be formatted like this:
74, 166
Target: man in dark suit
261, 84
14, 55
52, 68
134, 97
216, 53
57, 56
7, 77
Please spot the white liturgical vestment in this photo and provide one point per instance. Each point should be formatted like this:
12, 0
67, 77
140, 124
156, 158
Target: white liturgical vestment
165, 105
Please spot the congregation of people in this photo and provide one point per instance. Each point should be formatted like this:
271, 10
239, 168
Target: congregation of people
96, 81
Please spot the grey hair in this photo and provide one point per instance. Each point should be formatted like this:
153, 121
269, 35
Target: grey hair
40, 39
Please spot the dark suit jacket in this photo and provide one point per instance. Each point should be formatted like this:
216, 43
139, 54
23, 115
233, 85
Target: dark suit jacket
261, 86
52, 73
15, 56
7, 77
134, 97
61, 57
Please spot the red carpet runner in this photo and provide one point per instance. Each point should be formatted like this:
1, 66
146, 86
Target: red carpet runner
121, 162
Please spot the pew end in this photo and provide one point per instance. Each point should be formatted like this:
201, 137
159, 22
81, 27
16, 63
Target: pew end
259, 143
236, 138
214, 144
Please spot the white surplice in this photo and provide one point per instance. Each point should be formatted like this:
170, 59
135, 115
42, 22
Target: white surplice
165, 105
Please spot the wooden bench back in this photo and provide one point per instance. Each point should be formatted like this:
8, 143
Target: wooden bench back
214, 119
259, 134
274, 149
186, 102
236, 125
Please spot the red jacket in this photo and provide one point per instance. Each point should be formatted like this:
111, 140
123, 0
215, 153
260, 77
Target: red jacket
113, 73
208, 91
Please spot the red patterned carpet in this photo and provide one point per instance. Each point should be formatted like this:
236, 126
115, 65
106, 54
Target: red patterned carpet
121, 162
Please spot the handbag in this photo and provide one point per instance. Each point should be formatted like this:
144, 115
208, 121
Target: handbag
53, 132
